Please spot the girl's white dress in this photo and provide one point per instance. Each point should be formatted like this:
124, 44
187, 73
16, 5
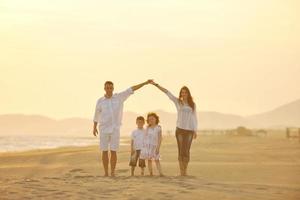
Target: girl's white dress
150, 143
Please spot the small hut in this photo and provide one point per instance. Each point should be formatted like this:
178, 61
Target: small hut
261, 133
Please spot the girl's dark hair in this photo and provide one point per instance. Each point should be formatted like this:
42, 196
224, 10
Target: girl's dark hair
189, 98
153, 115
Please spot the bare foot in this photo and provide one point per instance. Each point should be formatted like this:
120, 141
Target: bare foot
113, 174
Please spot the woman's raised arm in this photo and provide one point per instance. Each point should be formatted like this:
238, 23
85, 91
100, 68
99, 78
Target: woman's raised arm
169, 94
160, 87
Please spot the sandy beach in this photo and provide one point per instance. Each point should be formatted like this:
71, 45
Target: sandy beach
221, 167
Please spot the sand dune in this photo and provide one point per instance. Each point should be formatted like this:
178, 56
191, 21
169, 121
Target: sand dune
221, 168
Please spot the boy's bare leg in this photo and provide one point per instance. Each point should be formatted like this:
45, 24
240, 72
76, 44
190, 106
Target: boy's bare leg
132, 170
113, 162
105, 162
142, 171
150, 167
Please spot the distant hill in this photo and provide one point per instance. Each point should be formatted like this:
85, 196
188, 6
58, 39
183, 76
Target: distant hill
285, 115
19, 124
280, 117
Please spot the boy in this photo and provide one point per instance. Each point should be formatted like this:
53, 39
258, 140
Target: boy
137, 140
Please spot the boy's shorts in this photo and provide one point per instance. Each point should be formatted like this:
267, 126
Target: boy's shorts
135, 157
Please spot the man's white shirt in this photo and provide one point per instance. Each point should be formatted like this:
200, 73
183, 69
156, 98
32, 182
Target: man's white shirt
109, 111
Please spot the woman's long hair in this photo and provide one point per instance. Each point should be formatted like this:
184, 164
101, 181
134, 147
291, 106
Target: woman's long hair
190, 101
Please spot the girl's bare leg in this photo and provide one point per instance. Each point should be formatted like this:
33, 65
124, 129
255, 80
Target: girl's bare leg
158, 166
150, 167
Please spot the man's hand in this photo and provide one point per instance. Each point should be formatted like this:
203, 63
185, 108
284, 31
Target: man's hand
195, 135
95, 132
136, 87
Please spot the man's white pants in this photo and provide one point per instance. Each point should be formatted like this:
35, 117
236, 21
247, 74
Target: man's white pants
110, 141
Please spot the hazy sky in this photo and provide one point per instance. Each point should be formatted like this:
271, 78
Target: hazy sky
240, 57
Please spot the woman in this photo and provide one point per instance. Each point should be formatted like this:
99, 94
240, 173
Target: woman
186, 128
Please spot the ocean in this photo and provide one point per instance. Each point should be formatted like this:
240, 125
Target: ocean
24, 143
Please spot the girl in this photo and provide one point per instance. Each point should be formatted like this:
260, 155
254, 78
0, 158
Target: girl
152, 142
186, 127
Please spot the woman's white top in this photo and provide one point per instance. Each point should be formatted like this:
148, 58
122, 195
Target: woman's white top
186, 116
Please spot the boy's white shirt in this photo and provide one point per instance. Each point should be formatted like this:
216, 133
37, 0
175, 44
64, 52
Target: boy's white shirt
138, 138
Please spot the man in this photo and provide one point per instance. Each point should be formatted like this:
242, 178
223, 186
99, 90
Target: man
108, 114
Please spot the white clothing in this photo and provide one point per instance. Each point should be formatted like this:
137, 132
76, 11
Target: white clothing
110, 141
150, 145
108, 115
109, 111
186, 116
138, 138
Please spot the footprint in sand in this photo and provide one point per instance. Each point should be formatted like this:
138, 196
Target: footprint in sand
76, 170
261, 188
122, 170
12, 192
86, 176
55, 178
165, 195
31, 180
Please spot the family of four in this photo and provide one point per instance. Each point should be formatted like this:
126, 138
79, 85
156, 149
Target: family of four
146, 142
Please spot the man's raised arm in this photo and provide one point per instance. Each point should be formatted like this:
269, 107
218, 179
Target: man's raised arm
136, 87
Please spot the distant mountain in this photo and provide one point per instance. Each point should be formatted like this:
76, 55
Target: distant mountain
280, 117
215, 120
285, 115
18, 124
